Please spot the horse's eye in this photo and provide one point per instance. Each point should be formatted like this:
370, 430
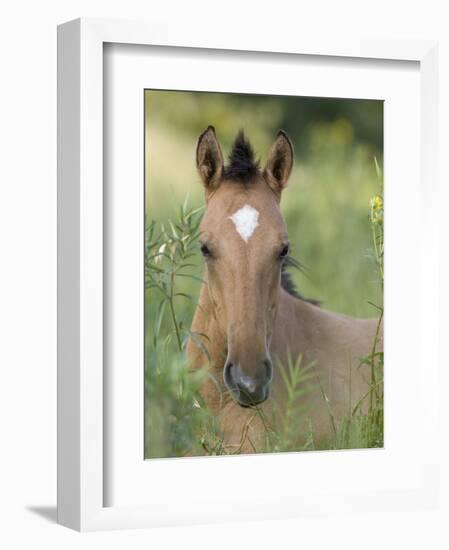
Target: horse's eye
284, 252
205, 251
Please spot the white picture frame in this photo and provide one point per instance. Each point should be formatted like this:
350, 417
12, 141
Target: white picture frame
82, 491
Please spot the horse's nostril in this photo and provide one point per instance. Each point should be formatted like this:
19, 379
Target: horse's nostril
227, 375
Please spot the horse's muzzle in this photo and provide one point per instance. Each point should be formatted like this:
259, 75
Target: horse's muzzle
248, 391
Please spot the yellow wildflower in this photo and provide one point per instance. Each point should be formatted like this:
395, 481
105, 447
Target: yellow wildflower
377, 210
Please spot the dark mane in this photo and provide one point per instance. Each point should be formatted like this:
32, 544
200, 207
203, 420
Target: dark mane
242, 165
287, 282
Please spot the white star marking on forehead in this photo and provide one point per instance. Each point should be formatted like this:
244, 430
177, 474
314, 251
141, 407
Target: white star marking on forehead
245, 221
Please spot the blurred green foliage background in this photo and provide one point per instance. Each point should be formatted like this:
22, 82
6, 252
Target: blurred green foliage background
326, 204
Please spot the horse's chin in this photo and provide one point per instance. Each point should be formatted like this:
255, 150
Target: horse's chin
248, 404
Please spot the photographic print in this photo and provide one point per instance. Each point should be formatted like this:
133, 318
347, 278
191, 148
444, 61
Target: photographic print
264, 245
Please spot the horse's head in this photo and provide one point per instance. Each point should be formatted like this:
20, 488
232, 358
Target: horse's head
244, 242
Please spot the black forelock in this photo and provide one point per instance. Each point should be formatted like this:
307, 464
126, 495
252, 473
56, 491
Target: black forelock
242, 165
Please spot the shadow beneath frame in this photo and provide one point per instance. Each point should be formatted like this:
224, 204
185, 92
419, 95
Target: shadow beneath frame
49, 513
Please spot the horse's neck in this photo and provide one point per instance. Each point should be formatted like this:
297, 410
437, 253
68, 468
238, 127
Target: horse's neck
295, 326
332, 341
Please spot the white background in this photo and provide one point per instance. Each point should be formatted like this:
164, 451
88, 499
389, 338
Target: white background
28, 272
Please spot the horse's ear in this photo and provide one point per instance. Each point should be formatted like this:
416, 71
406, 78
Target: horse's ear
209, 159
280, 163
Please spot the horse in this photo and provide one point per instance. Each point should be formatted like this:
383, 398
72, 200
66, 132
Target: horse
249, 316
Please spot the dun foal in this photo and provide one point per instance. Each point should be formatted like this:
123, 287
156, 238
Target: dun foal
252, 323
